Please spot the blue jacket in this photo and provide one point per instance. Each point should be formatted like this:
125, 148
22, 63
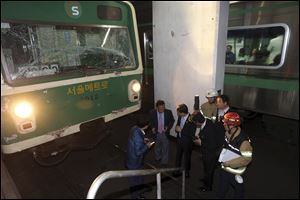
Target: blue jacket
136, 149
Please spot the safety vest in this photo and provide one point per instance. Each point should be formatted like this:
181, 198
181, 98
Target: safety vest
234, 146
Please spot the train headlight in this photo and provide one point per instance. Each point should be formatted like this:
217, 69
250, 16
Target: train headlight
23, 110
24, 117
136, 87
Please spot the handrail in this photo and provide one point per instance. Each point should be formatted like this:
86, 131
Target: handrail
128, 173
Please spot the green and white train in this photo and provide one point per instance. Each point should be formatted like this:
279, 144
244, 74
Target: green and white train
64, 64
253, 81
263, 77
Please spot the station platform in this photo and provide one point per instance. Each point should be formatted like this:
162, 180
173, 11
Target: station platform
274, 172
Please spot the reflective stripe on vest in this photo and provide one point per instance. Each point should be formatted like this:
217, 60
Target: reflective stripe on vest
238, 171
247, 154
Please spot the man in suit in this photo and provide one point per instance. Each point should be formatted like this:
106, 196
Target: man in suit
185, 129
161, 121
137, 147
208, 141
222, 103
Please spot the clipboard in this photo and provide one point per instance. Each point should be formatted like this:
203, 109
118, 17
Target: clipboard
227, 155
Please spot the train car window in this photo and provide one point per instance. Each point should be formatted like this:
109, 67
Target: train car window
32, 51
109, 13
260, 46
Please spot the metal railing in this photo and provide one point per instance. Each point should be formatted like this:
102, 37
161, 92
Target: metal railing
128, 173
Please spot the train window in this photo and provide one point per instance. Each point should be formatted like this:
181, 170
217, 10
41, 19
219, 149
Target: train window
33, 51
109, 13
260, 46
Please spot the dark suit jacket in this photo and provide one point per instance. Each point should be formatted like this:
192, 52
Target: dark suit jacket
220, 130
220, 120
136, 149
209, 137
188, 130
168, 117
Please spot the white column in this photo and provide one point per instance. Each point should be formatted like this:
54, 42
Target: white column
189, 40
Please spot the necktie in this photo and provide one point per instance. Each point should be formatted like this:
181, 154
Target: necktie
160, 123
182, 122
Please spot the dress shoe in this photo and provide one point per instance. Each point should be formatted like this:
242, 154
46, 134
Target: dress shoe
205, 189
141, 197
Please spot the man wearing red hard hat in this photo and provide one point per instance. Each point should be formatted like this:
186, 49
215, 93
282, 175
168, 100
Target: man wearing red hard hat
235, 156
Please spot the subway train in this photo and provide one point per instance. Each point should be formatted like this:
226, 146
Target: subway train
262, 62
261, 65
64, 66
254, 83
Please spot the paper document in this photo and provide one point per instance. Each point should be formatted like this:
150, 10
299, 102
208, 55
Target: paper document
226, 155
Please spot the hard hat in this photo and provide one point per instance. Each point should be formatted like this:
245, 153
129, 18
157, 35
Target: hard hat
232, 118
212, 93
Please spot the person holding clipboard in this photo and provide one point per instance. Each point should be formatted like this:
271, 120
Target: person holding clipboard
234, 158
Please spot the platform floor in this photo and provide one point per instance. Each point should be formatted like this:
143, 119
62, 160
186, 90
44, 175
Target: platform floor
274, 172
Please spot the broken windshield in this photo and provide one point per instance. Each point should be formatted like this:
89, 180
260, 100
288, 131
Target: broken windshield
42, 50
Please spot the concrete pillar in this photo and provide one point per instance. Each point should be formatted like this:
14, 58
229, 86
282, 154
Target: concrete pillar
189, 41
